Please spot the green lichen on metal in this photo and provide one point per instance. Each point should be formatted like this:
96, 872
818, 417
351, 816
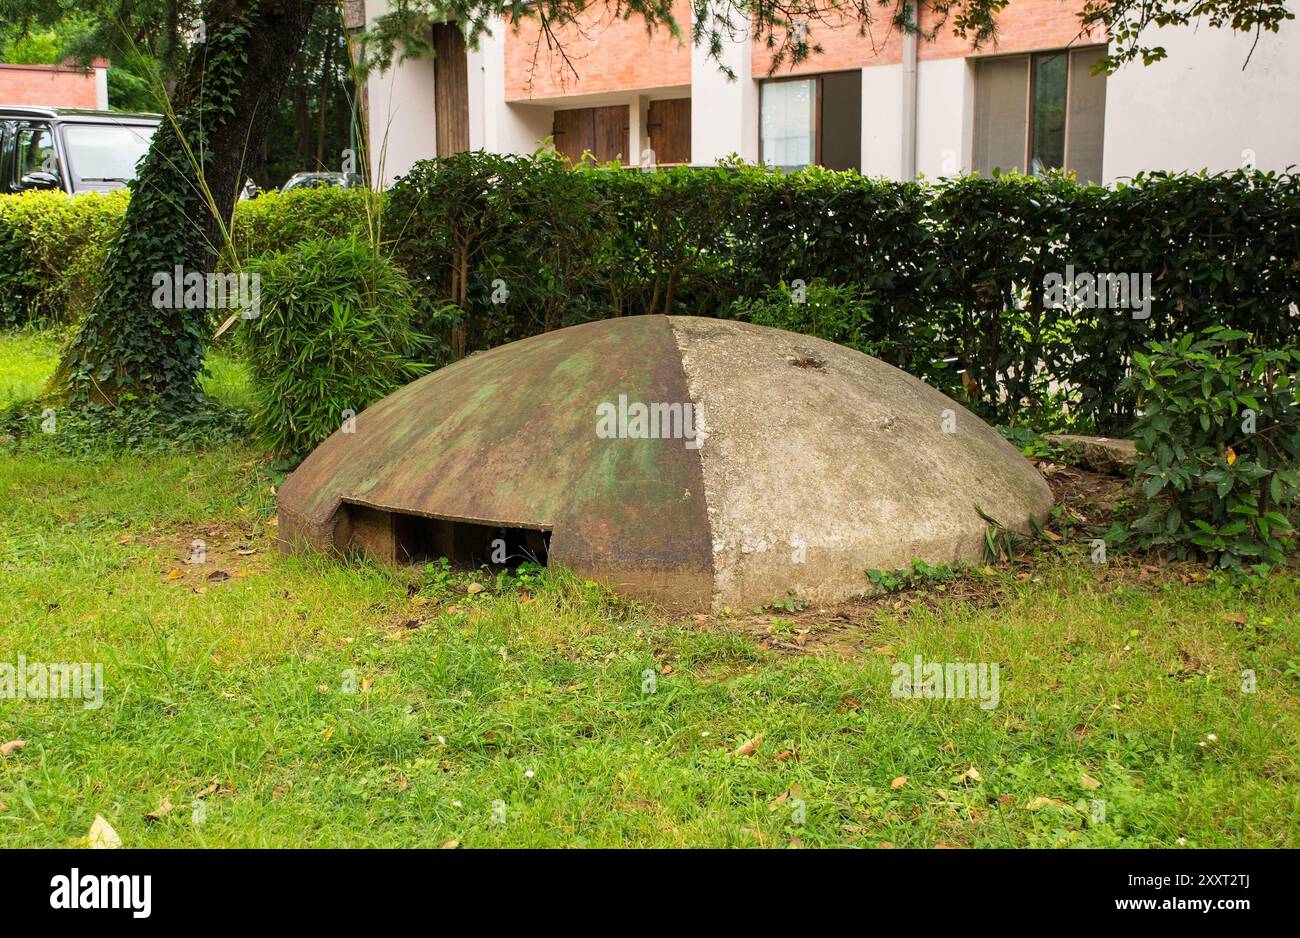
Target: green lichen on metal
509, 437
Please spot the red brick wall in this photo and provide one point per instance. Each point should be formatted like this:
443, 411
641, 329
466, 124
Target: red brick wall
1023, 25
49, 85
608, 53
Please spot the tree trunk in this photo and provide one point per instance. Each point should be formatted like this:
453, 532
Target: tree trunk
323, 97
135, 347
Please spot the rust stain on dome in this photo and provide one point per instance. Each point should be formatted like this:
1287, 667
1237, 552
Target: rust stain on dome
507, 437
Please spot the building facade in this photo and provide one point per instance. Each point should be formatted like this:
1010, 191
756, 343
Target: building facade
884, 104
55, 85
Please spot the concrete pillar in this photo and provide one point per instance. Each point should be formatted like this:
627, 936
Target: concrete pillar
724, 112
400, 114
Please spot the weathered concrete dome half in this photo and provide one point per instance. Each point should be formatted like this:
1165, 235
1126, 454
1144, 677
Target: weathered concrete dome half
693, 462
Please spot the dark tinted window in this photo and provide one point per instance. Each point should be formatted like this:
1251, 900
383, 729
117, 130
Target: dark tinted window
34, 152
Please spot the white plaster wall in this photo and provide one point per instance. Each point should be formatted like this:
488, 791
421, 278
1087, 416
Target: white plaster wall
506, 128
401, 114
476, 69
945, 104
724, 113
101, 88
1198, 109
882, 121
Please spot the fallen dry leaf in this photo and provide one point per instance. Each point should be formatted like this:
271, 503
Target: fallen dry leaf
898, 782
749, 747
102, 836
210, 790
1040, 802
1087, 781
785, 755
450, 845
161, 811
10, 746
174, 573
474, 588
639, 805
970, 775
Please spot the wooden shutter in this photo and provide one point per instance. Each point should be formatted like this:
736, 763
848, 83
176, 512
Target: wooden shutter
602, 130
669, 127
450, 89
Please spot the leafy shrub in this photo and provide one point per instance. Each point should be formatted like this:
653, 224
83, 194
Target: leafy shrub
333, 335
840, 314
52, 251
1219, 447
500, 246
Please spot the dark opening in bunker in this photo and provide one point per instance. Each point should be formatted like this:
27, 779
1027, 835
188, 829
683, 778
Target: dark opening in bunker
406, 538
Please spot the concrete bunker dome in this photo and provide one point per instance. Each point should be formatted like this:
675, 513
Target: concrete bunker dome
695, 463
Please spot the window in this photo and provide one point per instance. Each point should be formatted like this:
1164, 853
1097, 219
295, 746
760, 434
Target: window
106, 152
1042, 111
789, 110
812, 120
34, 152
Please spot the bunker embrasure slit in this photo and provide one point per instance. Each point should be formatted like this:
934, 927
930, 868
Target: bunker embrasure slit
400, 537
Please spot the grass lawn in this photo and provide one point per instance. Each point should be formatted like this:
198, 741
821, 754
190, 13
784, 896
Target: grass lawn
280, 701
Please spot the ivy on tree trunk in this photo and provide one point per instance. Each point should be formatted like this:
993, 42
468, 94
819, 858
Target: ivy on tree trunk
127, 351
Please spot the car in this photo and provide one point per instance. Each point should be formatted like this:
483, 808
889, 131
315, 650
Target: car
321, 180
71, 150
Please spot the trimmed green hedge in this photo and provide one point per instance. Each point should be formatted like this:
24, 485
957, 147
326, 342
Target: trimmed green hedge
276, 222
52, 247
947, 278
